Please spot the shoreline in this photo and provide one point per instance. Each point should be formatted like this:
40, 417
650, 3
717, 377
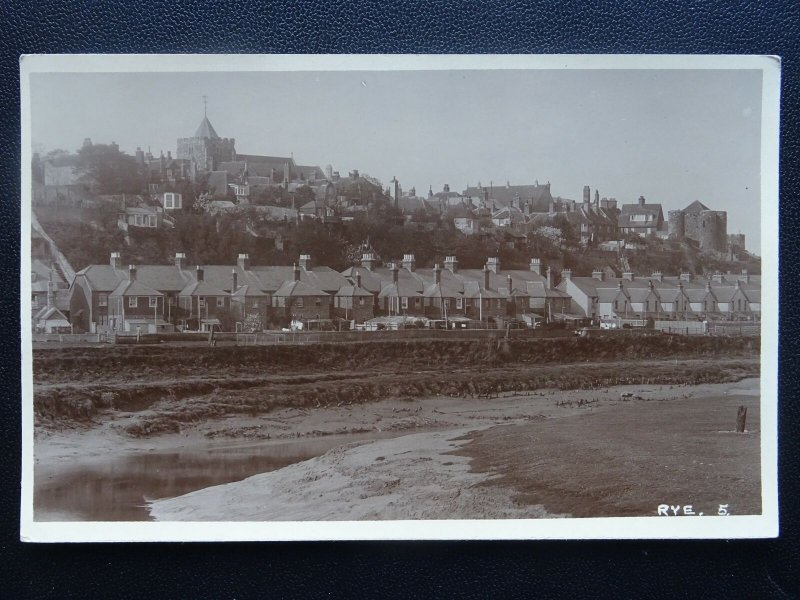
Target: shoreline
422, 462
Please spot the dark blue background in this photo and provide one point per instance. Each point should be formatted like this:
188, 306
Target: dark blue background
529, 569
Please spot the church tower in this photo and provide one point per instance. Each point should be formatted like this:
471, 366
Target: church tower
206, 149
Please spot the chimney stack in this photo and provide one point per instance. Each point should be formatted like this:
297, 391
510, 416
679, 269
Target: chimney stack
234, 281
510, 284
536, 266
566, 274
586, 194
116, 260
395, 273
437, 274
549, 275
687, 277
744, 276
50, 290
641, 200
131, 272
200, 273
358, 280
368, 261
409, 262
451, 264
244, 262
493, 264
597, 198
305, 262
486, 277
598, 274
628, 276
657, 275
180, 260
296, 272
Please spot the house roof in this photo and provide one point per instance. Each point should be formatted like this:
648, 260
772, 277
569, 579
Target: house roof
127, 287
235, 168
309, 171
206, 130
352, 290
505, 195
474, 289
51, 313
248, 291
277, 213
298, 288
202, 288
625, 218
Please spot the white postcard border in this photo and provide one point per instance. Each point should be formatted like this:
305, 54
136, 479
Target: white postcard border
764, 525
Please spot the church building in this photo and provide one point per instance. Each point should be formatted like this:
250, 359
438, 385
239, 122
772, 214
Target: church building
206, 149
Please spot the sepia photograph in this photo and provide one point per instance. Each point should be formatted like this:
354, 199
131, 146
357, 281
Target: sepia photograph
399, 297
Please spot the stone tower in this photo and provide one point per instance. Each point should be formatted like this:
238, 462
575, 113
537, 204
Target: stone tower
677, 228
206, 148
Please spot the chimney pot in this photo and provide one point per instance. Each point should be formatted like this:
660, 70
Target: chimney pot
200, 273
536, 266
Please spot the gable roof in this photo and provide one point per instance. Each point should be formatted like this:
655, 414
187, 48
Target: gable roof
625, 218
134, 288
539, 195
298, 288
202, 288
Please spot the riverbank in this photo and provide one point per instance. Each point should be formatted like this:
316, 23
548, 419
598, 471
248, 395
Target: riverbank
607, 459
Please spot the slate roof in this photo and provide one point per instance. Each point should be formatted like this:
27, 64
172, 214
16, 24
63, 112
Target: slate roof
505, 195
628, 210
352, 290
51, 313
202, 288
134, 288
248, 291
298, 288
206, 130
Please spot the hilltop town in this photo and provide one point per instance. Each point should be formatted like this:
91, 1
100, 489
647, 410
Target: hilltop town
213, 240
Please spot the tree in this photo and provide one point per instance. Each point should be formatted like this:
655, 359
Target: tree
106, 170
253, 323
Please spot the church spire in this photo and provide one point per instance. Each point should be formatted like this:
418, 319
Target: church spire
206, 130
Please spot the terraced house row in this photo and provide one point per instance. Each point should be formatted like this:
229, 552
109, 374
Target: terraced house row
155, 298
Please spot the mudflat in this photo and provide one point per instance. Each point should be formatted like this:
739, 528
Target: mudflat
420, 431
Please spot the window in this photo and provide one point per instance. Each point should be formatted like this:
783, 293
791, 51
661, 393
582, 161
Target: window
499, 305
153, 302
361, 301
299, 303
641, 218
318, 301
404, 302
221, 301
459, 303
102, 300
447, 302
152, 220
201, 301
417, 301
133, 301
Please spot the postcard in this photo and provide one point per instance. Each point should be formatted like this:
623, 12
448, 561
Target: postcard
332, 297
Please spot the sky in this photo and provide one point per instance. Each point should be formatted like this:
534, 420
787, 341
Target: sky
672, 136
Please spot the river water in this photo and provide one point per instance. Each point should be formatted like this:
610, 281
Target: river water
118, 489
